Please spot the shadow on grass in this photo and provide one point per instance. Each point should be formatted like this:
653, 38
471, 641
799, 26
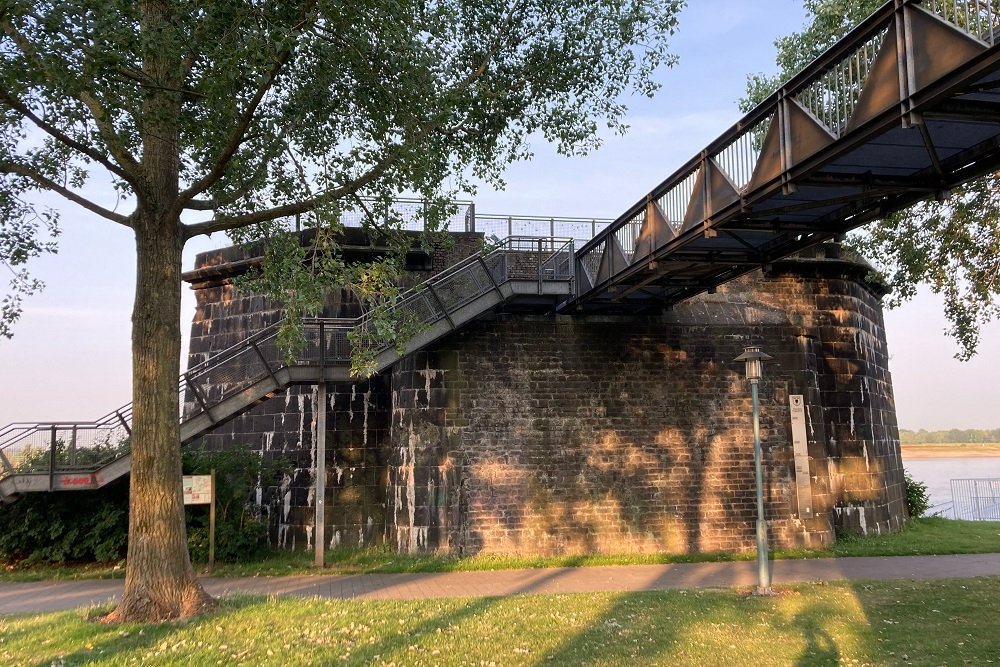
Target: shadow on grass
93, 640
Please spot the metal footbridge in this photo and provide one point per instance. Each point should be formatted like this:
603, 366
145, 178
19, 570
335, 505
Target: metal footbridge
903, 109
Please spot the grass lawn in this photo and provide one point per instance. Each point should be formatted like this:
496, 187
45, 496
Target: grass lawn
921, 537
944, 622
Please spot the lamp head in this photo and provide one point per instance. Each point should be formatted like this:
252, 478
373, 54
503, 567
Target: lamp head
754, 359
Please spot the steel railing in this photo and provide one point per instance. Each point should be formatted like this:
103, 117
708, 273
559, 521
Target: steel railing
976, 499
59, 447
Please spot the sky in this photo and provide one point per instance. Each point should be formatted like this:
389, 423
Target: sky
70, 355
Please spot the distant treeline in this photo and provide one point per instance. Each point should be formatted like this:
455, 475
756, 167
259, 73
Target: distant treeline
924, 437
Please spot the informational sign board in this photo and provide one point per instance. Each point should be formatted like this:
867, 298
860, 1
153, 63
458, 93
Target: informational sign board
800, 449
200, 490
197, 489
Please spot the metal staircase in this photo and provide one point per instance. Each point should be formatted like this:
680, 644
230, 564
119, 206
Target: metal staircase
57, 456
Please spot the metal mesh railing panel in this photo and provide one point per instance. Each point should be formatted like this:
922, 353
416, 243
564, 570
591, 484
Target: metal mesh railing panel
580, 230
66, 447
421, 307
237, 371
458, 289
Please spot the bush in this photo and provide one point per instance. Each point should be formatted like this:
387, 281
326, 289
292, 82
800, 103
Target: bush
917, 498
89, 526
66, 526
240, 529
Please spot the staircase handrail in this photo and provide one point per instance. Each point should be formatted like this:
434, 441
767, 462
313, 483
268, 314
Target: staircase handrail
549, 250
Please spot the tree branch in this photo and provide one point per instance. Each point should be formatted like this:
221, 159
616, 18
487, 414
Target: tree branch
49, 184
238, 135
223, 222
62, 137
108, 133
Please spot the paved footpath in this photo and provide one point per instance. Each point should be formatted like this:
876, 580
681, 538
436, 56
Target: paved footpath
58, 595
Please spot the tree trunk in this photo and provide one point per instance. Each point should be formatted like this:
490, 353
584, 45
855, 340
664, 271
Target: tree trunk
159, 580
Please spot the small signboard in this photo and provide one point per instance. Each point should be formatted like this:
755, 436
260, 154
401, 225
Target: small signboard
800, 451
197, 489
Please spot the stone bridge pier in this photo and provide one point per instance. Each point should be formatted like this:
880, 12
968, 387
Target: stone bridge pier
538, 434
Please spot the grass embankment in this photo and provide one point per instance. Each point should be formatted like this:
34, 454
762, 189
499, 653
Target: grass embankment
948, 622
921, 537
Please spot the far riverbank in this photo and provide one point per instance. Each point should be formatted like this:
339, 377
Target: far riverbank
950, 451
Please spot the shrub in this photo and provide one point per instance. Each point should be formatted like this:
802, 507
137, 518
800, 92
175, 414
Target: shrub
917, 498
66, 526
240, 529
87, 526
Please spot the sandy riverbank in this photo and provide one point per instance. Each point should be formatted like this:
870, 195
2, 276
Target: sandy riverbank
949, 451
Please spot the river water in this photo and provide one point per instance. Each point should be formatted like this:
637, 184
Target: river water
938, 473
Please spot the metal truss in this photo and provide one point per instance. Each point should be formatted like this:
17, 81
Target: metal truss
903, 109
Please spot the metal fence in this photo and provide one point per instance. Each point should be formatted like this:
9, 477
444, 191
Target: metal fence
580, 230
976, 499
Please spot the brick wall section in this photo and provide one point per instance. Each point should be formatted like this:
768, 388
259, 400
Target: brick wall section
567, 435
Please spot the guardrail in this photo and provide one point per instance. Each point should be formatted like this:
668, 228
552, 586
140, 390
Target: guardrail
976, 499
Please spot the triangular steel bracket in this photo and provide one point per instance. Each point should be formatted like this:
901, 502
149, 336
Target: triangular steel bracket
806, 136
583, 281
655, 233
713, 191
769, 164
938, 47
881, 89
612, 260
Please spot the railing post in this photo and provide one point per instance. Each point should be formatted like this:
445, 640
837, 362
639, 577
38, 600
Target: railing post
118, 414
267, 366
72, 447
510, 227
320, 492
201, 400
322, 342
552, 227
470, 217
539, 266
444, 309
52, 459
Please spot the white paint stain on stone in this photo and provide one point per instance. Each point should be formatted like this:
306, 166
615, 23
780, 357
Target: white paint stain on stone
367, 403
302, 419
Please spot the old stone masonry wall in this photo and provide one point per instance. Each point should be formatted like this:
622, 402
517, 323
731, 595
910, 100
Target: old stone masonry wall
532, 434
615, 434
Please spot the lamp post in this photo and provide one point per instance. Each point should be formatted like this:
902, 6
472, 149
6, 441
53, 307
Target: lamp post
755, 359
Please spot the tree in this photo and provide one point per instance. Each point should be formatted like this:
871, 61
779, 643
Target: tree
229, 115
952, 246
